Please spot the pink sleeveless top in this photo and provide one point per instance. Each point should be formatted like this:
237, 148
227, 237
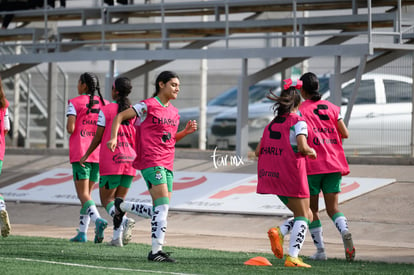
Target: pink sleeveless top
85, 128
280, 170
155, 136
2, 137
120, 161
323, 135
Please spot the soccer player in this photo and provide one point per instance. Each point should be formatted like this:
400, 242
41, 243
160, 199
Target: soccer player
4, 128
115, 168
325, 174
82, 116
156, 135
281, 171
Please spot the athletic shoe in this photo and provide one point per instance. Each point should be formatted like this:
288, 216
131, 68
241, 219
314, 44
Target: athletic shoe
79, 238
276, 241
319, 256
349, 246
119, 214
100, 225
5, 223
295, 262
117, 242
160, 257
127, 234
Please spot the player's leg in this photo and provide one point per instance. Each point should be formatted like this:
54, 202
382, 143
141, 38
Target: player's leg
107, 188
100, 223
303, 215
341, 223
4, 218
159, 181
315, 228
331, 190
81, 180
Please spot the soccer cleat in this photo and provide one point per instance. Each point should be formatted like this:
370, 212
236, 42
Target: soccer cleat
276, 241
5, 223
349, 246
119, 214
319, 256
295, 262
117, 242
100, 225
160, 257
127, 234
79, 238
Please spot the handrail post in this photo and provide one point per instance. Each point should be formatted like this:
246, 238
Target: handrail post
28, 87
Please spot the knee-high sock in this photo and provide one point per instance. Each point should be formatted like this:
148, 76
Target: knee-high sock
2, 203
315, 228
159, 226
84, 220
140, 209
117, 233
90, 208
340, 222
286, 226
297, 235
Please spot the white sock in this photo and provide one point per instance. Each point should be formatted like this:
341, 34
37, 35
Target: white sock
287, 226
93, 212
112, 214
111, 211
84, 223
341, 224
139, 209
118, 232
159, 227
317, 237
297, 237
2, 205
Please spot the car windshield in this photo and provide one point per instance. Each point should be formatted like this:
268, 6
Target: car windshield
229, 98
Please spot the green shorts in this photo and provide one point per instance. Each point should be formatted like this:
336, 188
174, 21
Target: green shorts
1, 165
89, 172
283, 199
328, 183
158, 175
113, 181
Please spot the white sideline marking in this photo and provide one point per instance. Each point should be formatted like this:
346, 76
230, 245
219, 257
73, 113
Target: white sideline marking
99, 267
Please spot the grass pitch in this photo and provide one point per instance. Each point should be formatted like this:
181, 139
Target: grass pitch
35, 255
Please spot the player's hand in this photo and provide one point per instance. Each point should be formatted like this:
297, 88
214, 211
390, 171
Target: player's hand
191, 126
111, 144
82, 161
313, 154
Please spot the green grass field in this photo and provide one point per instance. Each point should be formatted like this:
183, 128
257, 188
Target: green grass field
34, 255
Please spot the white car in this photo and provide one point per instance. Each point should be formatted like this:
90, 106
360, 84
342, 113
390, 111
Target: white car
224, 101
380, 121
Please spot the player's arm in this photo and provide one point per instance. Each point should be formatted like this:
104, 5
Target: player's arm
71, 115
94, 143
124, 115
257, 151
96, 139
304, 148
343, 130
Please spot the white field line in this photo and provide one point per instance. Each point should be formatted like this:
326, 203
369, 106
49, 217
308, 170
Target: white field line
98, 267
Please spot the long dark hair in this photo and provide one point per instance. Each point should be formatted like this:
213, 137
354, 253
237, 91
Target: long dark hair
163, 77
123, 87
286, 102
92, 82
310, 84
2, 96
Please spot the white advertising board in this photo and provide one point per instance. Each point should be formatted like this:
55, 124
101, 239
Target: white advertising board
193, 191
